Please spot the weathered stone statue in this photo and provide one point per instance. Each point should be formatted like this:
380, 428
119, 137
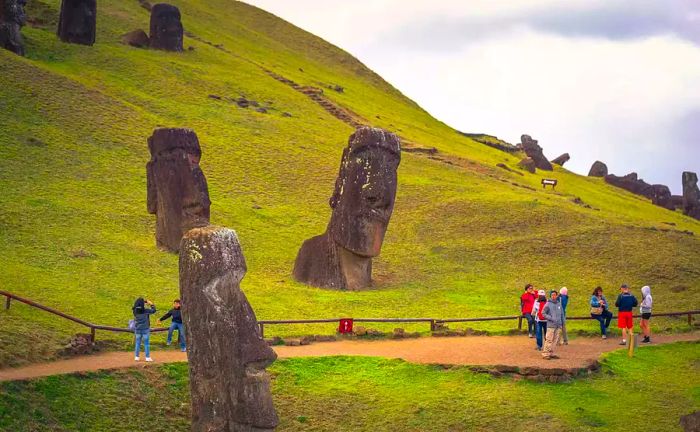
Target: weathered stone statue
661, 196
691, 195
166, 28
362, 204
227, 355
598, 169
561, 160
534, 151
177, 189
12, 19
78, 21
632, 183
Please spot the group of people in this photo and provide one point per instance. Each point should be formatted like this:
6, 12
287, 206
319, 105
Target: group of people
141, 325
546, 317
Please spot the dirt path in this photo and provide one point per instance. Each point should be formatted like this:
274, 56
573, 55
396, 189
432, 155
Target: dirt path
475, 350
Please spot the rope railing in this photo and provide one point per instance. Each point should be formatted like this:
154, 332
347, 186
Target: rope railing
434, 322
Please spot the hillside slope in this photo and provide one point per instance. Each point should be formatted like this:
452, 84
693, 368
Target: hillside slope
464, 237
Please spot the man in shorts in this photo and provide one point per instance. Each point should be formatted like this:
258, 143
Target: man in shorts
625, 303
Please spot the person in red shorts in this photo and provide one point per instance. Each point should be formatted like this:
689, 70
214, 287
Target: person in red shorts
625, 303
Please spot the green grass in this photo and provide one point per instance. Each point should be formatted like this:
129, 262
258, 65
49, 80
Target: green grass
463, 239
371, 394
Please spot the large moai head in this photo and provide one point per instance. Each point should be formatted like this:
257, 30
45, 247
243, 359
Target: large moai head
12, 19
77, 22
227, 355
166, 27
365, 191
691, 195
177, 189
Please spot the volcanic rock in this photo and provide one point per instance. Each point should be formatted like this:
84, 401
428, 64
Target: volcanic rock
561, 160
528, 164
632, 183
12, 19
166, 29
137, 38
230, 389
78, 21
691, 195
598, 169
534, 151
691, 422
661, 196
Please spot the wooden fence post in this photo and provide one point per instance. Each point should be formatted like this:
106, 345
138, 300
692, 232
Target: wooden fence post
520, 322
432, 325
7, 302
690, 318
262, 329
92, 334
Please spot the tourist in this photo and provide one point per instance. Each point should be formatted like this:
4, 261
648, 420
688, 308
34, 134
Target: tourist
600, 311
625, 303
527, 302
142, 326
645, 309
564, 299
555, 319
540, 320
176, 324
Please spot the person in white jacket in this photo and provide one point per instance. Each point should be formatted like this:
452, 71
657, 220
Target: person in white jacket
645, 310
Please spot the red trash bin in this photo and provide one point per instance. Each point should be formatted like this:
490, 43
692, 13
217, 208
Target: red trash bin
345, 326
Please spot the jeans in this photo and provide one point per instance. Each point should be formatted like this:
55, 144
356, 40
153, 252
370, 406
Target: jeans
180, 327
145, 336
604, 320
541, 330
564, 335
530, 322
551, 340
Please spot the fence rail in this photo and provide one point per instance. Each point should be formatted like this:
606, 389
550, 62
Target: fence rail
434, 322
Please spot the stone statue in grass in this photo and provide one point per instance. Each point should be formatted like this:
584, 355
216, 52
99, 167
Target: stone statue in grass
177, 189
166, 28
77, 21
12, 19
227, 355
362, 204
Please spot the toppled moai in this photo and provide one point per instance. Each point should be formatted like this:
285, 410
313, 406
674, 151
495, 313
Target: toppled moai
632, 183
78, 21
598, 169
561, 160
362, 204
230, 389
12, 19
691, 195
534, 151
528, 164
177, 189
166, 28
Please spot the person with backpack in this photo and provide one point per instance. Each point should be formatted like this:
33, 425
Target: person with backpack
142, 326
554, 314
645, 310
600, 311
625, 303
176, 324
541, 321
564, 299
527, 302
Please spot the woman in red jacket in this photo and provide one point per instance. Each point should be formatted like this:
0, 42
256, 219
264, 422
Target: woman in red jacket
527, 301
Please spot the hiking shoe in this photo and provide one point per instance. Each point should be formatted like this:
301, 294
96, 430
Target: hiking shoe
183, 349
566, 343
554, 356
546, 357
623, 342
646, 340
605, 337
148, 359
136, 358
168, 343
529, 335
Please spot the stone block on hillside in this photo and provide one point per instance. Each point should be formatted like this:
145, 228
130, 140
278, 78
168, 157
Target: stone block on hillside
166, 31
137, 38
691, 422
78, 21
561, 160
528, 164
230, 389
632, 183
535, 152
598, 169
12, 19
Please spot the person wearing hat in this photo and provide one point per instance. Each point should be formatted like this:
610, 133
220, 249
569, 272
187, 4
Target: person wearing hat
555, 320
564, 299
625, 303
540, 320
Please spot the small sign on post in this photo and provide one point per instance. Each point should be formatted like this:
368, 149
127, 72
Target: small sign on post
549, 182
345, 326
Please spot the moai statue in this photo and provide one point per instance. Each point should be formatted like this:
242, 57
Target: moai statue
691, 195
12, 19
598, 169
227, 355
362, 204
534, 151
166, 28
177, 189
78, 21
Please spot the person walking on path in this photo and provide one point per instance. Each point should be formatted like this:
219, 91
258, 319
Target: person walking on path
600, 311
527, 302
625, 303
142, 326
645, 309
555, 320
564, 299
176, 324
540, 320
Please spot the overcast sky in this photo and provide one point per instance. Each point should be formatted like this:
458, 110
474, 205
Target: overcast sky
615, 80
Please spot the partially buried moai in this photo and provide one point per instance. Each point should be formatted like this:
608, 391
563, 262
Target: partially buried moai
691, 195
166, 28
77, 22
362, 204
12, 19
227, 355
177, 189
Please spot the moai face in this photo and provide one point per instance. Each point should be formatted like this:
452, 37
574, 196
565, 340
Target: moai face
15, 12
177, 189
12, 19
77, 21
166, 27
227, 355
365, 191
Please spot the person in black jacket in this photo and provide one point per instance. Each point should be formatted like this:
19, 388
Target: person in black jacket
142, 310
176, 324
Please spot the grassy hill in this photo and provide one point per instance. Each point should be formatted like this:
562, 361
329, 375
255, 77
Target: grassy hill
464, 238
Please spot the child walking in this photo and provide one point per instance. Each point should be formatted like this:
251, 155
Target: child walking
645, 309
625, 303
541, 321
142, 329
176, 324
